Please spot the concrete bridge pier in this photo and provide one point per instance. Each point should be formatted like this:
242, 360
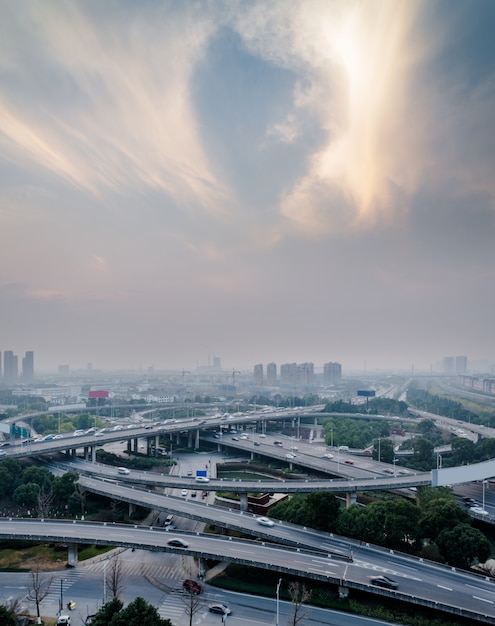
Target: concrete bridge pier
244, 502
350, 498
72, 554
196, 443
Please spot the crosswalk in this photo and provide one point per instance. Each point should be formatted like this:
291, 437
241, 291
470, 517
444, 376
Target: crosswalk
134, 568
60, 587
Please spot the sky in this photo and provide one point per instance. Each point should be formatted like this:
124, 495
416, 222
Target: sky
283, 180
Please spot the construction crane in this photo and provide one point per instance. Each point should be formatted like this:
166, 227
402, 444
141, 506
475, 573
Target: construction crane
234, 372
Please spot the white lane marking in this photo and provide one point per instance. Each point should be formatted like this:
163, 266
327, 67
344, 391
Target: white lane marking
483, 599
443, 587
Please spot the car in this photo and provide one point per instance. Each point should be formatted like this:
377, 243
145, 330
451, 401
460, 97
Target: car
123, 470
469, 500
265, 521
349, 462
262, 435
193, 494
2, 453
328, 456
219, 609
58, 437
295, 448
290, 456
478, 510
216, 436
235, 438
278, 443
202, 479
384, 581
176, 542
78, 433
189, 473
47, 438
184, 493
4, 444
192, 586
257, 443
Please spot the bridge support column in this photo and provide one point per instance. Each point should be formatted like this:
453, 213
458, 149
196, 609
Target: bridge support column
244, 502
343, 592
129, 443
196, 443
157, 441
201, 568
135, 445
72, 554
132, 508
189, 439
93, 454
86, 453
350, 498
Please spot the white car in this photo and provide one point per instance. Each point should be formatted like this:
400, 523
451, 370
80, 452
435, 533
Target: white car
290, 456
202, 479
328, 456
184, 493
123, 470
478, 510
265, 521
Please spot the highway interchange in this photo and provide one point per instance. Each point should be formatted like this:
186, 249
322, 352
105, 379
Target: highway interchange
435, 585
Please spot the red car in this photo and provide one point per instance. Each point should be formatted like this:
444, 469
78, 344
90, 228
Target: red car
191, 586
349, 462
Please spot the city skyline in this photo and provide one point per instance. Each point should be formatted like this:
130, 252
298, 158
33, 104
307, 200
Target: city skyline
261, 182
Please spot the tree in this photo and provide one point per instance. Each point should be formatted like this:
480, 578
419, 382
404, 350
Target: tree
299, 595
45, 501
38, 588
463, 545
107, 612
439, 515
7, 618
384, 449
463, 451
137, 613
191, 603
26, 495
63, 486
114, 576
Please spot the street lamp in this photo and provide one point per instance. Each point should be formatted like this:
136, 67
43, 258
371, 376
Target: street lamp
395, 468
484, 483
331, 438
278, 599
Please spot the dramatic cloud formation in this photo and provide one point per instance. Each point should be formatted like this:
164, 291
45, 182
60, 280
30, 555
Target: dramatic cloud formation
287, 181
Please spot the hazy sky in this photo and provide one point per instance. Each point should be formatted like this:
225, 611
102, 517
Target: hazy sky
280, 180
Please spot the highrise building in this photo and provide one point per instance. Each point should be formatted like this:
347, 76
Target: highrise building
271, 374
461, 364
305, 374
288, 374
332, 373
10, 366
448, 365
28, 367
258, 374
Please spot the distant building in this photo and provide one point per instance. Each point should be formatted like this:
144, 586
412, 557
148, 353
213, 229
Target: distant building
461, 364
63, 370
10, 366
448, 365
305, 374
332, 373
271, 374
28, 367
258, 374
288, 374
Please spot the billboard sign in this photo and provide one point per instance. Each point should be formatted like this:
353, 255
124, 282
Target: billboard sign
367, 393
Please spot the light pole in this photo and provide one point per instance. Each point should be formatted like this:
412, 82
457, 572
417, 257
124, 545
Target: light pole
331, 438
484, 483
439, 461
395, 468
379, 450
278, 599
